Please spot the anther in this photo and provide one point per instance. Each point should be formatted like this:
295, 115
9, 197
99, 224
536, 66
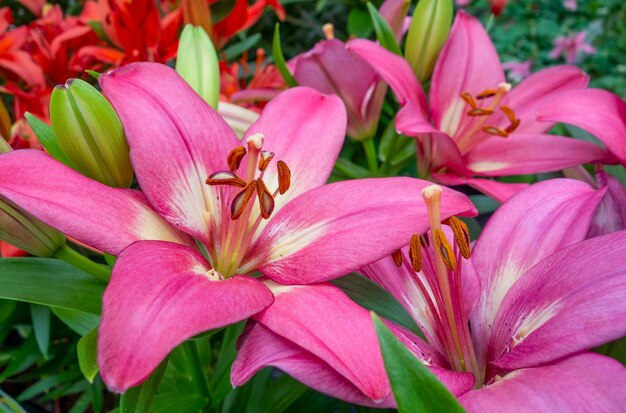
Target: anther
266, 201
225, 178
479, 112
284, 177
487, 93
492, 130
461, 235
241, 200
256, 140
469, 99
415, 253
508, 112
234, 158
445, 250
329, 31
397, 258
265, 159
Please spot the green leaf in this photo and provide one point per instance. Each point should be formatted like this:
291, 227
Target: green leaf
41, 327
50, 282
82, 404
8, 405
237, 49
79, 321
279, 59
46, 384
220, 381
25, 356
93, 74
179, 403
370, 295
384, 34
138, 399
87, 349
415, 387
484, 204
47, 138
359, 23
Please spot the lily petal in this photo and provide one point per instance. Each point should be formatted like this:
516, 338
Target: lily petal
500, 191
530, 226
599, 112
335, 229
161, 294
469, 63
531, 153
579, 289
105, 218
611, 214
583, 383
306, 130
176, 142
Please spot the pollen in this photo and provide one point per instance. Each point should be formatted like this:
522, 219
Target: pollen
415, 253
284, 177
397, 258
234, 158
445, 250
461, 235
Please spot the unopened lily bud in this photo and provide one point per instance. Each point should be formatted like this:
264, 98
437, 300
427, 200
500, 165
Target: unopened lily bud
90, 133
24, 231
197, 63
428, 32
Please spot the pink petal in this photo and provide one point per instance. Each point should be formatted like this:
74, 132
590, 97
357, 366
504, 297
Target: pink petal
599, 112
306, 130
535, 90
500, 191
176, 142
583, 383
395, 13
260, 347
530, 226
395, 71
161, 294
469, 63
611, 214
105, 218
523, 153
580, 289
335, 229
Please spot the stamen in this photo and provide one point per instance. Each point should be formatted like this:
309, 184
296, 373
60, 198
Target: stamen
508, 112
469, 99
511, 128
461, 235
266, 201
256, 140
329, 31
241, 200
397, 258
479, 112
493, 130
284, 177
487, 93
447, 255
234, 158
225, 178
265, 159
415, 253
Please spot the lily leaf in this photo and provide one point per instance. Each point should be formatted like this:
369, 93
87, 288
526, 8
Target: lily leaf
279, 59
47, 138
88, 355
415, 388
384, 34
51, 282
41, 327
139, 399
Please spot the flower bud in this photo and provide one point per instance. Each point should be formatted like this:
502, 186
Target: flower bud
197, 63
428, 32
24, 231
90, 133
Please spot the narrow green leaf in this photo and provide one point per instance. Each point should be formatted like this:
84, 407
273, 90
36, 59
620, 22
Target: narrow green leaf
484, 204
279, 59
8, 405
47, 138
179, 403
415, 387
237, 49
47, 383
79, 321
49, 282
384, 34
220, 381
25, 356
139, 398
359, 23
87, 349
370, 295
41, 327
93, 74
82, 404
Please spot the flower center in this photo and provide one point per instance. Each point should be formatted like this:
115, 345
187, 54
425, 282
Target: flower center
437, 264
482, 107
238, 233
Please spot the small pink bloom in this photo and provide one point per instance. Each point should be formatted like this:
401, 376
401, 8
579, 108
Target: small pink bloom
572, 47
571, 5
518, 71
462, 3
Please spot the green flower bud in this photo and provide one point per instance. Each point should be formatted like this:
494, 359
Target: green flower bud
197, 63
90, 133
428, 32
24, 231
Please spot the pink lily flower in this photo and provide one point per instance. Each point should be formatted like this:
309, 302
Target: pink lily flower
518, 71
531, 280
331, 69
248, 211
572, 47
475, 126
611, 213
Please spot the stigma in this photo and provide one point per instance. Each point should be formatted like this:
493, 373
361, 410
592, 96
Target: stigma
252, 183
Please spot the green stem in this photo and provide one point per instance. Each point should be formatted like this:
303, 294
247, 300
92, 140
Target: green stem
370, 154
198, 374
390, 153
80, 261
490, 23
